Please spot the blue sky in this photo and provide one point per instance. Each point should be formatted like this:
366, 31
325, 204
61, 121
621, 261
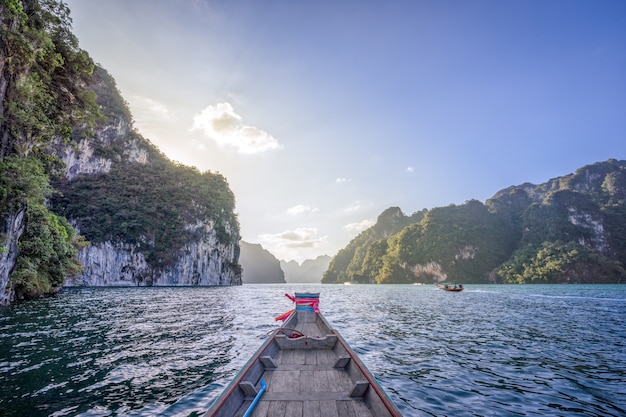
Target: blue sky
322, 114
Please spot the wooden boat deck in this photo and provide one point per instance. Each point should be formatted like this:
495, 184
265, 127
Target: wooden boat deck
308, 371
305, 383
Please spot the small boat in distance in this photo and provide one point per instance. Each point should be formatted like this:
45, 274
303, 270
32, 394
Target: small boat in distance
304, 368
450, 287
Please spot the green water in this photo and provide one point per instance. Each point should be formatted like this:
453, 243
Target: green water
490, 350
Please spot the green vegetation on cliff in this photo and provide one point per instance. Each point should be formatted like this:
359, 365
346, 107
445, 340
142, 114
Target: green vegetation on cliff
44, 73
48, 245
348, 264
570, 229
42, 96
155, 205
53, 98
148, 205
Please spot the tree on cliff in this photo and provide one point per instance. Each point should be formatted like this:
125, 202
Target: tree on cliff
43, 75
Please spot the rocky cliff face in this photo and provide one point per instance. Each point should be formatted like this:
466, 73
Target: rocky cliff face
202, 262
12, 229
205, 259
87, 156
590, 203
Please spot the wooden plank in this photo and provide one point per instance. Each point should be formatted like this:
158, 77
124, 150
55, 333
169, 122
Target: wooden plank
267, 377
307, 396
285, 381
277, 408
318, 382
232, 397
306, 380
344, 378
323, 325
335, 381
311, 409
361, 410
286, 357
255, 371
307, 316
325, 357
299, 357
312, 330
321, 357
310, 357
292, 381
279, 357
345, 409
261, 409
243, 408
325, 342
294, 409
355, 372
304, 367
329, 409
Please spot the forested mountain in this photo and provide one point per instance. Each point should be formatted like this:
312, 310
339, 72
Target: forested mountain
149, 221
309, 271
259, 266
571, 229
70, 161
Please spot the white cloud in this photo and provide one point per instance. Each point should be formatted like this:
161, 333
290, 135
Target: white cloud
152, 118
360, 226
342, 180
409, 169
148, 108
156, 122
226, 128
301, 209
356, 206
305, 237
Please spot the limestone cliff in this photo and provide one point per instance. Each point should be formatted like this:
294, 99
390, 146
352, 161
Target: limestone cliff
202, 262
86, 157
12, 229
149, 221
110, 196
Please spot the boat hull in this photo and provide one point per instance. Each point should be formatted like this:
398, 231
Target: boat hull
450, 289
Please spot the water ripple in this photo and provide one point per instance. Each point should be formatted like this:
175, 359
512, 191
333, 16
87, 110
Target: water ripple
491, 350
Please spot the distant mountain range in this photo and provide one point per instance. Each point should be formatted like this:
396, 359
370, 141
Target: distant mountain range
261, 267
310, 271
258, 265
570, 229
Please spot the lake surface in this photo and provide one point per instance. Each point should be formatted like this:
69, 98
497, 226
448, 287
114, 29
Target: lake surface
529, 350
